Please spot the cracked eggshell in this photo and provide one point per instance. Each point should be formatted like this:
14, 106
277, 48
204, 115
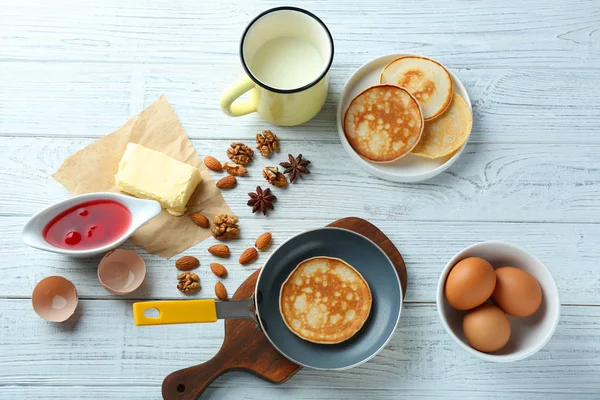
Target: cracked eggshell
54, 298
121, 271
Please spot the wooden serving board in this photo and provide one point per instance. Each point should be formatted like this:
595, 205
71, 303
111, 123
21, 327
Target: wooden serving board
246, 348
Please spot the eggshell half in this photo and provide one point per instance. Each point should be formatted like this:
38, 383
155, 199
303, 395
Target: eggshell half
121, 271
54, 298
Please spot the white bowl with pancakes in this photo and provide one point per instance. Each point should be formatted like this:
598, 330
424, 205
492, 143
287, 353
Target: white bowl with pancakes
381, 131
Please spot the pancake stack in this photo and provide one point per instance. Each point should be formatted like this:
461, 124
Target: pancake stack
447, 133
325, 300
413, 110
384, 123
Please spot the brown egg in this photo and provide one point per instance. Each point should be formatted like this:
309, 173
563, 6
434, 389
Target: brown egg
470, 283
486, 328
517, 292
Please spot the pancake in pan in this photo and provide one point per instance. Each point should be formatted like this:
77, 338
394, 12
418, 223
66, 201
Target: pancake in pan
447, 133
383, 123
325, 300
426, 79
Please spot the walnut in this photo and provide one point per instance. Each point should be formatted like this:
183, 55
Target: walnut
239, 153
189, 282
267, 143
274, 177
225, 227
234, 169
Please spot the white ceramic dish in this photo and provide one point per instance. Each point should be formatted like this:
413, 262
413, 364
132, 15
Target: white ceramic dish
410, 168
141, 211
529, 334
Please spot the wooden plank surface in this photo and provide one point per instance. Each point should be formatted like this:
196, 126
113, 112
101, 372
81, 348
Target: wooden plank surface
489, 182
421, 354
220, 392
93, 99
471, 34
72, 71
425, 246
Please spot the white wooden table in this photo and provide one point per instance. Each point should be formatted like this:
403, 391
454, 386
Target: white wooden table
71, 72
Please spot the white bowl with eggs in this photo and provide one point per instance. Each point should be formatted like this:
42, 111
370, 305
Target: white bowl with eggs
527, 334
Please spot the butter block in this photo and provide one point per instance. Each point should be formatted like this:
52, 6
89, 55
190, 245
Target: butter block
150, 174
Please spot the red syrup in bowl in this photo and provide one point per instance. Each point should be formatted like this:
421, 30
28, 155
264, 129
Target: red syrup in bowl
88, 225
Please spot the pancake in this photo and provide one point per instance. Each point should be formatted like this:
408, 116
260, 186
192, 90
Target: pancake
446, 134
325, 300
426, 79
383, 123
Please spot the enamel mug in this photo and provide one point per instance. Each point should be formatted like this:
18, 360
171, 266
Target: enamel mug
286, 53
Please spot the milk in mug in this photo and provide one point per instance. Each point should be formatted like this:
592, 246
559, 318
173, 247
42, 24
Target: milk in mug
287, 63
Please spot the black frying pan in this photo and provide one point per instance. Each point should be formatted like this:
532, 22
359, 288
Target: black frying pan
358, 251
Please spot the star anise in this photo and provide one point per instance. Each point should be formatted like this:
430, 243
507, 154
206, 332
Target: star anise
261, 200
296, 167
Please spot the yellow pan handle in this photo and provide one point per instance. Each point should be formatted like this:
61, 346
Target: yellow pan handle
175, 312
234, 108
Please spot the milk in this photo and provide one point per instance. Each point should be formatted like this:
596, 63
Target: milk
287, 63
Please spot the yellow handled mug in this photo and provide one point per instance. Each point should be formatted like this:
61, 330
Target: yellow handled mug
287, 53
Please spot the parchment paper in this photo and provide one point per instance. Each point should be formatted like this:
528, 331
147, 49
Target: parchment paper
92, 169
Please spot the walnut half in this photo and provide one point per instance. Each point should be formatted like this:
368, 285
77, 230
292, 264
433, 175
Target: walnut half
189, 282
274, 177
267, 142
225, 227
239, 153
234, 169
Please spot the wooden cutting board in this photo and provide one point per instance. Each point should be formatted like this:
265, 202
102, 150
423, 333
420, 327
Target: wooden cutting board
246, 348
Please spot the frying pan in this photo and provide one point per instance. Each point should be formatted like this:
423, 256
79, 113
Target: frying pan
360, 252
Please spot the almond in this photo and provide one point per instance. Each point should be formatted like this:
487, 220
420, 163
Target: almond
218, 269
263, 240
249, 255
213, 164
227, 182
186, 263
219, 250
220, 291
200, 220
